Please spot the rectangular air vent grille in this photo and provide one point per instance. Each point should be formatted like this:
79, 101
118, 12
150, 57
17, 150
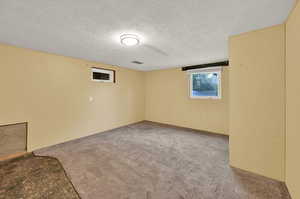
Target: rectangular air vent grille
103, 75
137, 62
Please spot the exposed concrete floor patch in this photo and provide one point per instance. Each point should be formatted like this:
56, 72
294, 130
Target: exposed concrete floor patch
31, 177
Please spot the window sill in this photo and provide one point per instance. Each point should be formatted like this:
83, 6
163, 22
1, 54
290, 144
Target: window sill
205, 97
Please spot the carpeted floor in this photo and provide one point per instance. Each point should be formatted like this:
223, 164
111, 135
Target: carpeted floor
151, 161
31, 177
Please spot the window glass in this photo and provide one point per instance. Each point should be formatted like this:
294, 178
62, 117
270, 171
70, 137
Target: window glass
205, 84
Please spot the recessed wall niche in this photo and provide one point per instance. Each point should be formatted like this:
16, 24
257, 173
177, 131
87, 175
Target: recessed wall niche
13, 139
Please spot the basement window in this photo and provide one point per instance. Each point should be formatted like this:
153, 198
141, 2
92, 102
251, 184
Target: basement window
205, 83
103, 75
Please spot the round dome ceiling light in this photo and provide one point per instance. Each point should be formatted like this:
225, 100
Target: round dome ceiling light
129, 40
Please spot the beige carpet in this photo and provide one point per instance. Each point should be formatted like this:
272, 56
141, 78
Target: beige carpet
151, 161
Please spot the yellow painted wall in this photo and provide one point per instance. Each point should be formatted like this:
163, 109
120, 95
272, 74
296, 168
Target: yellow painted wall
257, 101
52, 92
293, 102
168, 101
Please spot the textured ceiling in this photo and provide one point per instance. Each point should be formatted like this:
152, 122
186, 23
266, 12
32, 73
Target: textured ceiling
173, 32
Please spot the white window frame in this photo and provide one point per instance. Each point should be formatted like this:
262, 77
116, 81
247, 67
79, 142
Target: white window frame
110, 72
205, 71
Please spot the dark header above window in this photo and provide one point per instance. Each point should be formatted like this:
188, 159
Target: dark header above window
223, 63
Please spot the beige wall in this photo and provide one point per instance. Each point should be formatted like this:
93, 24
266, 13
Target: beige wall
52, 93
293, 103
168, 101
257, 101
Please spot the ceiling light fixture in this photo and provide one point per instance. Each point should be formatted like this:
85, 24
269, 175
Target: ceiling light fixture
129, 40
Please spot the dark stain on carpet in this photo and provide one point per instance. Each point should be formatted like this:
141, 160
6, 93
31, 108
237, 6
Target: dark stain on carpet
35, 177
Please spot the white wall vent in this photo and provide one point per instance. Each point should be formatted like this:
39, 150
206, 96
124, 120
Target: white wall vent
103, 75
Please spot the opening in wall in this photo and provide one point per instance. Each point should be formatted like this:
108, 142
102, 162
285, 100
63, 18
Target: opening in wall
205, 83
13, 139
103, 75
